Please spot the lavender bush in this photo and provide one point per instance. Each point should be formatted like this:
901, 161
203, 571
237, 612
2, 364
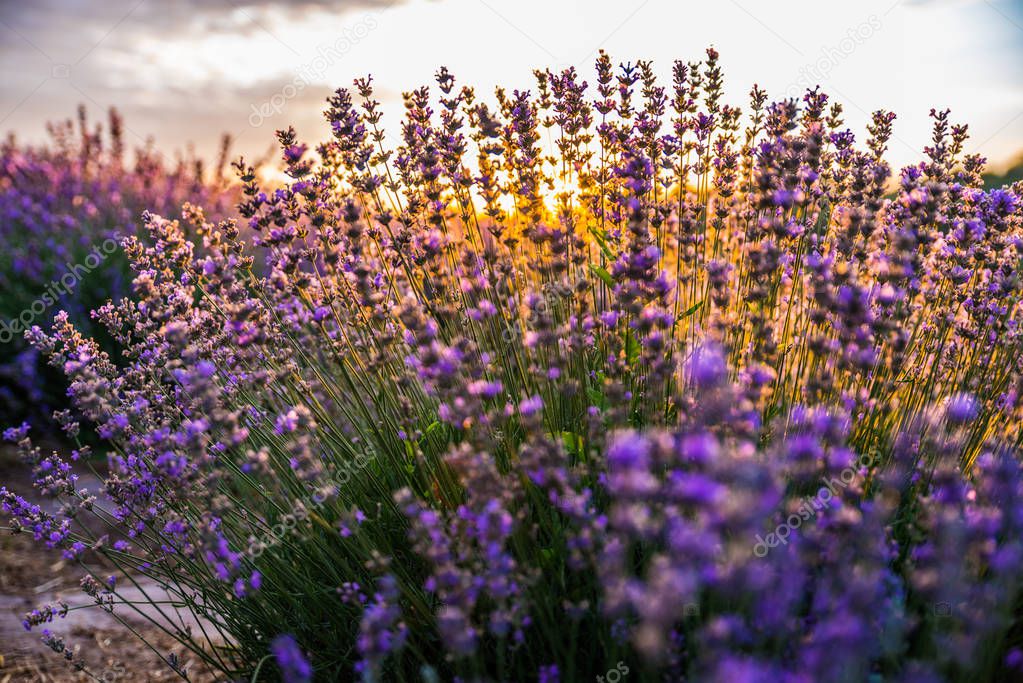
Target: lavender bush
64, 207
601, 378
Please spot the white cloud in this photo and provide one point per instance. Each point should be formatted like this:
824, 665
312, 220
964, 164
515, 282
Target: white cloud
211, 62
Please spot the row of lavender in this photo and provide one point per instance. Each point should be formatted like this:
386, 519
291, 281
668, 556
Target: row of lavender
687, 393
64, 207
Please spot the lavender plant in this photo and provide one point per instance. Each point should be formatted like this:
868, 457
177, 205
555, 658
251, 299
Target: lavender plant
685, 391
64, 207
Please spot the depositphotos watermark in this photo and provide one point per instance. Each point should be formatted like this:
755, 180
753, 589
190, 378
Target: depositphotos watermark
300, 512
810, 505
327, 54
831, 56
65, 284
614, 674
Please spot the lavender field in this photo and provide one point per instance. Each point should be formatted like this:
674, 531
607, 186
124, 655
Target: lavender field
600, 376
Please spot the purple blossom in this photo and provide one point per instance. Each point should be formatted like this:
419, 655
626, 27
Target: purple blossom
291, 661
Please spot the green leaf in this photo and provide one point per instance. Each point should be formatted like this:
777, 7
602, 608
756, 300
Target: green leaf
602, 243
692, 309
823, 218
596, 398
605, 276
434, 428
631, 347
573, 442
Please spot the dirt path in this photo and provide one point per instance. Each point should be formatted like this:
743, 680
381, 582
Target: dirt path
31, 575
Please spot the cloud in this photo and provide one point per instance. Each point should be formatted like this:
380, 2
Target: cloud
167, 15
55, 53
34, 35
185, 70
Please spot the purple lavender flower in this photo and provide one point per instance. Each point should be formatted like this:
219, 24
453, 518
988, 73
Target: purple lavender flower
291, 661
709, 389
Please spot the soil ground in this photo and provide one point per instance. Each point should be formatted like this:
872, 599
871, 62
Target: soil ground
31, 575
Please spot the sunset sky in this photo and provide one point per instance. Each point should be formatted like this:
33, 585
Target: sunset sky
186, 71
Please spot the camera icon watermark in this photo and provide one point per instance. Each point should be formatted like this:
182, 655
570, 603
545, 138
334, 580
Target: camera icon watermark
614, 674
60, 71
